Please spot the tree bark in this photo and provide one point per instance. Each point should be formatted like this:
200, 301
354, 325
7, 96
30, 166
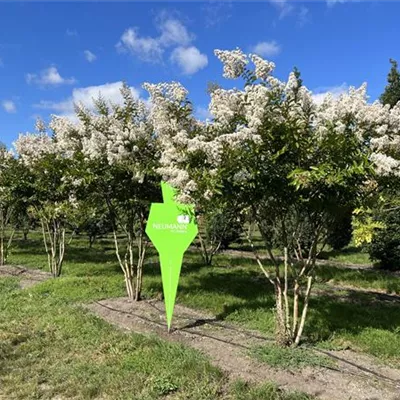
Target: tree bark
54, 243
304, 313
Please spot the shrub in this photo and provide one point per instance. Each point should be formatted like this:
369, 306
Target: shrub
225, 227
385, 245
340, 231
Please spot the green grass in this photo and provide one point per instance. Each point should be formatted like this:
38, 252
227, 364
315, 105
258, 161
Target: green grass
371, 279
52, 346
290, 358
242, 391
348, 255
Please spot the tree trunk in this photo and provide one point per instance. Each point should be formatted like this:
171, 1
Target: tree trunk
92, 238
204, 250
5, 243
128, 268
289, 329
54, 243
2, 255
2, 234
130, 289
304, 313
281, 333
141, 254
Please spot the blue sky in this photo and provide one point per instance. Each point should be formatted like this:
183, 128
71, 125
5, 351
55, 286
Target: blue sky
52, 53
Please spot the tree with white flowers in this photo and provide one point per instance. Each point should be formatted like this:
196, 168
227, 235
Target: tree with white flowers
12, 191
53, 188
6, 203
117, 153
292, 164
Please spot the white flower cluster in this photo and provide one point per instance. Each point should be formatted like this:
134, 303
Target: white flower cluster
241, 116
66, 135
386, 165
5, 158
234, 61
225, 105
263, 68
110, 138
173, 124
136, 134
32, 146
374, 122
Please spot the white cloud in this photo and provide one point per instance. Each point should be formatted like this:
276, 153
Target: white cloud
319, 94
151, 49
9, 106
90, 57
189, 59
146, 48
109, 91
283, 6
216, 13
331, 3
303, 16
267, 49
71, 32
173, 32
49, 77
202, 113
288, 8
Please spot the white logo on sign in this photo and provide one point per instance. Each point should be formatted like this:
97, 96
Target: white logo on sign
183, 219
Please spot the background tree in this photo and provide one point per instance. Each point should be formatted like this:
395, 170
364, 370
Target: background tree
383, 221
7, 202
340, 231
219, 226
118, 156
96, 222
391, 94
52, 181
14, 192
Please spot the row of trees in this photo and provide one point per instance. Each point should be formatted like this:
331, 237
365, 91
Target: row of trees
270, 156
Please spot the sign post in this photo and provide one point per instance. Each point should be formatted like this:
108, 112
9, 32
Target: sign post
171, 227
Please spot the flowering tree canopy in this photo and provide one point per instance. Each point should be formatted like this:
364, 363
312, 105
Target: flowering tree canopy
291, 163
270, 153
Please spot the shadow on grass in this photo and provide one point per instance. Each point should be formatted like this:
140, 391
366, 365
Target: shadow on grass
29, 246
364, 278
346, 252
351, 313
242, 295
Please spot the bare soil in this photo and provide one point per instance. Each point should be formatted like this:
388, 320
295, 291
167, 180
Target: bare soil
355, 376
28, 277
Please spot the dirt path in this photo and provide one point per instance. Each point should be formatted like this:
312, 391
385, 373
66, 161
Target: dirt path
355, 377
28, 277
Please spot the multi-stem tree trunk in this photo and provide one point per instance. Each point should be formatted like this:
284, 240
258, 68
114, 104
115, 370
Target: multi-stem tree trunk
208, 251
54, 242
290, 315
141, 245
208, 248
5, 242
133, 270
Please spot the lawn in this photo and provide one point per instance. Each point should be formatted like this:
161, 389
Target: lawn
50, 345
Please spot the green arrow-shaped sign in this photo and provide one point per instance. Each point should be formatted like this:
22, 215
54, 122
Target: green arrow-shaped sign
171, 227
